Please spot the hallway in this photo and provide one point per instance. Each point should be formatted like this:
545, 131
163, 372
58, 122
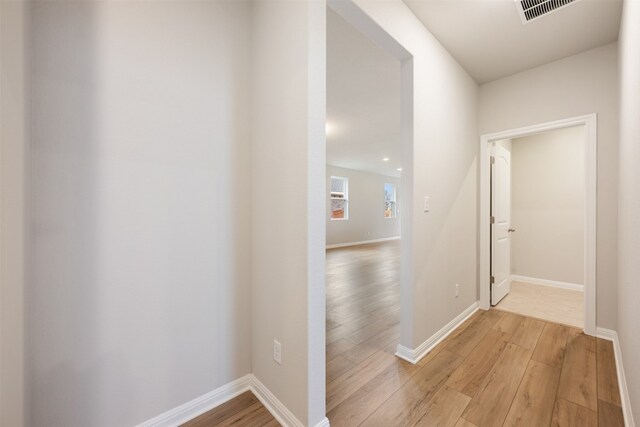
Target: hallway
496, 369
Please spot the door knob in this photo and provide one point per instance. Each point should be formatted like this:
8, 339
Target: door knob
511, 230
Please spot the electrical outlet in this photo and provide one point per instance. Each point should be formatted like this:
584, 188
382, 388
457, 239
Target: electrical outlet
427, 205
457, 290
277, 352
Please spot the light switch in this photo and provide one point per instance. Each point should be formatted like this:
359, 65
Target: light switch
426, 203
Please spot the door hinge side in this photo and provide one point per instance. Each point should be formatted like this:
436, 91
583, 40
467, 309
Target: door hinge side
493, 160
493, 280
493, 219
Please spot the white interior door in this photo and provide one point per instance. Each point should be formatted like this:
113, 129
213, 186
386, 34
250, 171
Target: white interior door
500, 223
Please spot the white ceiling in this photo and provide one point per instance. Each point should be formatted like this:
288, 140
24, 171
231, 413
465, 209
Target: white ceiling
363, 101
487, 37
490, 41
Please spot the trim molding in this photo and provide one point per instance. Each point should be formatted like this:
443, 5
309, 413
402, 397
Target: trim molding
362, 242
323, 423
545, 282
273, 405
590, 121
198, 406
414, 355
611, 335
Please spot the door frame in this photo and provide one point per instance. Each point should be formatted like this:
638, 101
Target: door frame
590, 179
358, 18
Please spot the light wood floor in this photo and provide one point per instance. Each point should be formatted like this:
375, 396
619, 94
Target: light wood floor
496, 369
363, 304
244, 410
545, 302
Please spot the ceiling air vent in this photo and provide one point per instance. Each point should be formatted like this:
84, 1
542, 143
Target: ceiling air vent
533, 9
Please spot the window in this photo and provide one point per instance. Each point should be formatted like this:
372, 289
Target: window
339, 197
389, 201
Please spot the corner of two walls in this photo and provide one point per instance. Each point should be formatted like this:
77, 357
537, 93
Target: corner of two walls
139, 265
287, 170
14, 142
629, 202
133, 252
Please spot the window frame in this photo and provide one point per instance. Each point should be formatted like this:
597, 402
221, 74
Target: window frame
345, 198
394, 201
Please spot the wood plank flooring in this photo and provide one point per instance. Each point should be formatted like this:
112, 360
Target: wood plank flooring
536, 375
243, 410
496, 369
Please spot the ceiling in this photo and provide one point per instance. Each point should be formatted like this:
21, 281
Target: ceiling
363, 101
490, 41
486, 37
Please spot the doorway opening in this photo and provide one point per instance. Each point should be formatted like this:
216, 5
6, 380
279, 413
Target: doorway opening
537, 222
364, 174
537, 230
369, 155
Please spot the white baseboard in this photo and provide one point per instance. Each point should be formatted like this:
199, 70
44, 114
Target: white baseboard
607, 334
414, 355
273, 405
362, 242
323, 423
200, 405
545, 282
612, 335
217, 397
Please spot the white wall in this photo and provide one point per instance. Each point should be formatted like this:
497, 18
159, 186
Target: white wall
366, 208
443, 161
629, 207
288, 173
581, 84
548, 205
14, 134
139, 294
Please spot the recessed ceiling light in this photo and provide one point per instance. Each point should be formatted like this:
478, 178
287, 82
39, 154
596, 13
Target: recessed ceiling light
399, 169
385, 159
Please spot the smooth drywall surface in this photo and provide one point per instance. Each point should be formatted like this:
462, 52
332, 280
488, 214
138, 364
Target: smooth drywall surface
443, 167
629, 207
366, 208
548, 205
581, 84
14, 95
288, 202
139, 295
